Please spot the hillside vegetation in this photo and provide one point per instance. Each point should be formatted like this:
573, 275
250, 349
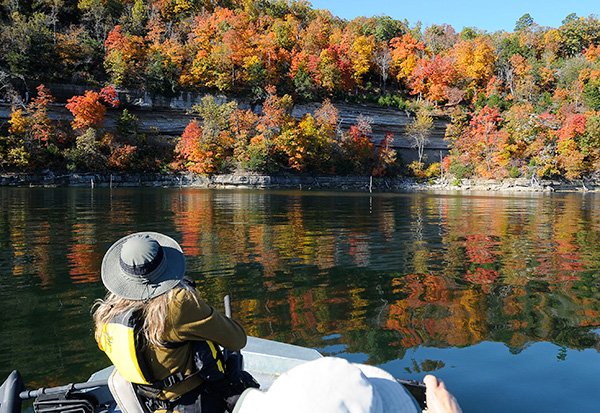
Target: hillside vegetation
521, 104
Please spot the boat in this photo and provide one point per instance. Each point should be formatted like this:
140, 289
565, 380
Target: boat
264, 359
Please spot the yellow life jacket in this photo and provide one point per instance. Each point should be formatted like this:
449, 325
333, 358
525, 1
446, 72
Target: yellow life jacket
122, 341
118, 340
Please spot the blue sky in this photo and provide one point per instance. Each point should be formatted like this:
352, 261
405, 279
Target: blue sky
484, 14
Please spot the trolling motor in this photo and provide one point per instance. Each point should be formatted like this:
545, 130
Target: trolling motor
10, 402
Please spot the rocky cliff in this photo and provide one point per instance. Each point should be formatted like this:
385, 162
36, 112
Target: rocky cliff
170, 117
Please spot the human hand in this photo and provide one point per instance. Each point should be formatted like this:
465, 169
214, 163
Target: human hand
439, 400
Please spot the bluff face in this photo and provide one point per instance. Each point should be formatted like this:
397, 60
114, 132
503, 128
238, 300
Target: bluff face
170, 116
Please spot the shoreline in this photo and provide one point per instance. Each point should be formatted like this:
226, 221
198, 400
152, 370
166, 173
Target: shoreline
304, 183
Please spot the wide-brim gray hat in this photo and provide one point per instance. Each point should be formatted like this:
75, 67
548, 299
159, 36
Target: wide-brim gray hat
143, 265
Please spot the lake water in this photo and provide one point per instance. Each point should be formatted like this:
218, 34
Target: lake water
497, 295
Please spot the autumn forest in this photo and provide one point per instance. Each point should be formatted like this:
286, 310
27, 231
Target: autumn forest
524, 103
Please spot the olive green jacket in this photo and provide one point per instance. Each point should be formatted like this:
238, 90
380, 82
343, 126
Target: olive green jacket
189, 320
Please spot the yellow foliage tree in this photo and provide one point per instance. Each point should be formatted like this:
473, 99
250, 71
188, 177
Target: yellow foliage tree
17, 122
475, 60
361, 57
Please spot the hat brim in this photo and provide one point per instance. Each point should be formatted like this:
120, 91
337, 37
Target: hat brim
117, 282
391, 392
252, 401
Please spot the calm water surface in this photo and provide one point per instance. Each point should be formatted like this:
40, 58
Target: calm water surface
497, 295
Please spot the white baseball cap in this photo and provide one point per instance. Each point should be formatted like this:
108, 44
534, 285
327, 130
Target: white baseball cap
330, 385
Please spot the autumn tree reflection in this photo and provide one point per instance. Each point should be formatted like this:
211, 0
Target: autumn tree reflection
380, 274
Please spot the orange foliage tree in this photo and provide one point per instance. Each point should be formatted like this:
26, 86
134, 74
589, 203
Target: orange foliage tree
125, 55
358, 148
309, 144
189, 150
224, 51
89, 109
433, 78
386, 156
406, 52
483, 142
570, 158
208, 147
40, 126
33, 135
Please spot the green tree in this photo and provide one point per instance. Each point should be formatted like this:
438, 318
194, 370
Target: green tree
590, 141
161, 75
591, 93
578, 33
27, 46
386, 28
524, 22
97, 17
469, 33
139, 17
87, 154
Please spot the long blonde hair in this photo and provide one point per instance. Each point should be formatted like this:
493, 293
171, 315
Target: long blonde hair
154, 313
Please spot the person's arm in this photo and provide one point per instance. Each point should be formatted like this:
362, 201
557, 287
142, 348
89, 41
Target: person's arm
192, 319
439, 400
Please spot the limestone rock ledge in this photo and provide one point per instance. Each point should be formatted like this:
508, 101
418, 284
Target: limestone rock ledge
293, 182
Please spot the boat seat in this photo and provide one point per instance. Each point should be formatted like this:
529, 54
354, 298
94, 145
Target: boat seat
124, 394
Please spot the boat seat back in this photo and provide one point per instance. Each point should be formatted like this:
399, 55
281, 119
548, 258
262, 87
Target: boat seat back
124, 394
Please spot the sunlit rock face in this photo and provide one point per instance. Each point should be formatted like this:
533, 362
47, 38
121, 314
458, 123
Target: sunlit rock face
169, 117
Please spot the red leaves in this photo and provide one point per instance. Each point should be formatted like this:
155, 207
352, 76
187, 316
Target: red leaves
109, 95
43, 98
483, 143
569, 156
89, 110
405, 52
115, 39
433, 78
358, 147
189, 139
386, 156
39, 124
199, 156
122, 157
573, 125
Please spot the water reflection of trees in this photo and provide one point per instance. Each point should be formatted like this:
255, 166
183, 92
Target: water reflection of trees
385, 274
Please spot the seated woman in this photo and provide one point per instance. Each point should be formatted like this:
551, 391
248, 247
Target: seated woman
157, 330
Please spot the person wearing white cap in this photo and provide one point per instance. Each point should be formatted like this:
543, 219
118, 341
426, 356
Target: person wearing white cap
334, 385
